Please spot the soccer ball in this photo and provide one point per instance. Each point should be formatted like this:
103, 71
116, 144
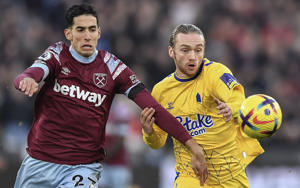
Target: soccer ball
259, 116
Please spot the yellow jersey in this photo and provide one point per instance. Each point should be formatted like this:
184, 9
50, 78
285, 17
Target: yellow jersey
191, 101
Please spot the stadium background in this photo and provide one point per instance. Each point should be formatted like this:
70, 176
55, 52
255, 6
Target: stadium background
258, 40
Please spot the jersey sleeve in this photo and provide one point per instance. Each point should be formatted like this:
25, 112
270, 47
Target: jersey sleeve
227, 88
123, 76
42, 66
49, 61
158, 138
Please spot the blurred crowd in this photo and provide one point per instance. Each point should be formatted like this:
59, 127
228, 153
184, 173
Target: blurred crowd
258, 40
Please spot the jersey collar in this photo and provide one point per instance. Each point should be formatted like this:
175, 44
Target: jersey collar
82, 59
189, 79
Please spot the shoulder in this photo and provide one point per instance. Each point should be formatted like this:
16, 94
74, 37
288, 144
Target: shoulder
218, 72
53, 52
210, 65
213, 67
107, 57
165, 81
161, 85
110, 60
58, 47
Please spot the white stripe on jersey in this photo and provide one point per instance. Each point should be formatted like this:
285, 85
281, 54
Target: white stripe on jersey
118, 71
55, 55
56, 50
107, 57
112, 64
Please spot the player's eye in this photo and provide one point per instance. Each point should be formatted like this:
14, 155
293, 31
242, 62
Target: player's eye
185, 50
92, 29
80, 29
199, 50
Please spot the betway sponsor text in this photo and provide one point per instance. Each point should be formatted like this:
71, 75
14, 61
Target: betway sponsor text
75, 92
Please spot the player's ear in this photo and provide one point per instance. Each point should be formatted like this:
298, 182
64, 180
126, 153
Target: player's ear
99, 32
68, 34
171, 52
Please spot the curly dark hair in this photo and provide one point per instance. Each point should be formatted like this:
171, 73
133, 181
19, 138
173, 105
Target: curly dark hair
78, 10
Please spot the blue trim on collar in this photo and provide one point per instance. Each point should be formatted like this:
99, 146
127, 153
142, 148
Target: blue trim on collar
189, 79
81, 59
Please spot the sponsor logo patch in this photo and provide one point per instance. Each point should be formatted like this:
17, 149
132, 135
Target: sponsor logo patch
133, 79
229, 80
45, 56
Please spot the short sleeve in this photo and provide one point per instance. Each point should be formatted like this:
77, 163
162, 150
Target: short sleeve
49, 60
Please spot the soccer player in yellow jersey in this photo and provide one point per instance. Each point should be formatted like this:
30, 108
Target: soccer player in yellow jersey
205, 97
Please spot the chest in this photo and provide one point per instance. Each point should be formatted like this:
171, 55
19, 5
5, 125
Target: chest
94, 77
186, 99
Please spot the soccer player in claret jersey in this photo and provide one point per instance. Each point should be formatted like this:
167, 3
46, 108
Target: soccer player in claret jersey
65, 142
205, 97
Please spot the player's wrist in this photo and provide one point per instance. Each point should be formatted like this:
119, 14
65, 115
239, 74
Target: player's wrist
147, 132
194, 147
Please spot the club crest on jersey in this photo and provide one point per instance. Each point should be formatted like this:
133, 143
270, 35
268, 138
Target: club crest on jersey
100, 79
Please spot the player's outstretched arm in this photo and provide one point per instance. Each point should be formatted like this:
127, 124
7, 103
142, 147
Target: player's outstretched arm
163, 118
153, 136
27, 82
169, 124
28, 86
198, 162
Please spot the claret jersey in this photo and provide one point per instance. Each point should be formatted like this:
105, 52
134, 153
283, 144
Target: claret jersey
72, 107
191, 101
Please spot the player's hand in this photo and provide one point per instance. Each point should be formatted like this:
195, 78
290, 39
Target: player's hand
223, 109
147, 120
28, 86
198, 162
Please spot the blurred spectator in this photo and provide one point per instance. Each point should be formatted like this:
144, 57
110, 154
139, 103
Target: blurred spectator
116, 167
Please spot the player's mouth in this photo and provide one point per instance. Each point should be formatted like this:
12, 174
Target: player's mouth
87, 47
191, 66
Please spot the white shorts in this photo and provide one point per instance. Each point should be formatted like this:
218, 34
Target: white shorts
35, 173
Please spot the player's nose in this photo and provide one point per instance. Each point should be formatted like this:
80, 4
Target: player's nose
193, 55
87, 35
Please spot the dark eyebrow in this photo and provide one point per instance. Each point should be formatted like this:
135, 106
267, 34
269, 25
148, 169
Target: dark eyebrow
90, 27
93, 26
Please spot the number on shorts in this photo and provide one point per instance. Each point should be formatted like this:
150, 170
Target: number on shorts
80, 178
78, 182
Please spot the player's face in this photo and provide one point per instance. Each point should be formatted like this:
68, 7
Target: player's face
187, 53
84, 34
